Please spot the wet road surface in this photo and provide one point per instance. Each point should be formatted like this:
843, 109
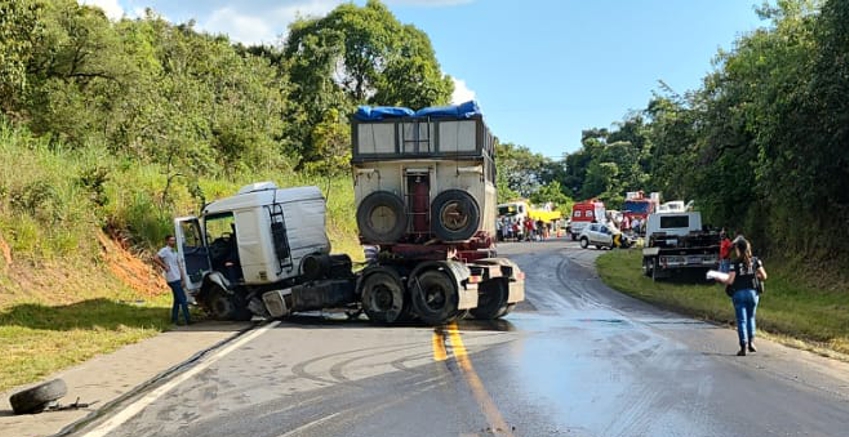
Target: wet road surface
575, 359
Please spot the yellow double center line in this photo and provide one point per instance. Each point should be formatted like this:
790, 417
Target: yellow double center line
458, 350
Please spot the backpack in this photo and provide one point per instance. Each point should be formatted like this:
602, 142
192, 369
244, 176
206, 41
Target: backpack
759, 285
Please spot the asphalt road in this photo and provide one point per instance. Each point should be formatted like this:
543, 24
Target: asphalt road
575, 359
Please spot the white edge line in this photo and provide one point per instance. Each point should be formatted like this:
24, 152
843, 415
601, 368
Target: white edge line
136, 407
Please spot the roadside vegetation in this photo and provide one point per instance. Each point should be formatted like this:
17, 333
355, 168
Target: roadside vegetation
791, 308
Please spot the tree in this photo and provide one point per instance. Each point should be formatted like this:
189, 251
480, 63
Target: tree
355, 56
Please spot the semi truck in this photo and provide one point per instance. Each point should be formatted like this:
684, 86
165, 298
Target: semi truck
425, 197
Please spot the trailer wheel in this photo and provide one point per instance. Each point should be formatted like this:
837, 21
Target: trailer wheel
492, 300
36, 399
381, 218
383, 297
435, 297
455, 216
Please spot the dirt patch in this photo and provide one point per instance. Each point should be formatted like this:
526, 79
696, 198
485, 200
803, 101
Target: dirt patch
129, 268
6, 250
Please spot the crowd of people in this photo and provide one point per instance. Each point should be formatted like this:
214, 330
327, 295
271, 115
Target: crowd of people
522, 229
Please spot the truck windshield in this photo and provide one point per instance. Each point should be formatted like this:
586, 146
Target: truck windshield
674, 221
639, 207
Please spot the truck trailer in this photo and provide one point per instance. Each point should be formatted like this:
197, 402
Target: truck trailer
425, 197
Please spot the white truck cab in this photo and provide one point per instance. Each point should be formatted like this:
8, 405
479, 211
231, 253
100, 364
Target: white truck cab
259, 236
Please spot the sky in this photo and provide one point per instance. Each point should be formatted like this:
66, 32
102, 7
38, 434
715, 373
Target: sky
542, 71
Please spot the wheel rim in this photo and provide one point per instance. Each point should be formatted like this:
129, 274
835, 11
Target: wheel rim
435, 297
454, 216
382, 219
382, 299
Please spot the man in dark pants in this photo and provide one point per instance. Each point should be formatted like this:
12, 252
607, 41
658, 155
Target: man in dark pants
167, 259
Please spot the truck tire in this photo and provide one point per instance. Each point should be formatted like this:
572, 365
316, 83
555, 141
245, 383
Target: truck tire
435, 297
381, 218
383, 297
454, 216
655, 276
492, 300
221, 305
36, 399
585, 243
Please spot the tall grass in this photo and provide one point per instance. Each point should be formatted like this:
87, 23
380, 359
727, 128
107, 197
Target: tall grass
60, 303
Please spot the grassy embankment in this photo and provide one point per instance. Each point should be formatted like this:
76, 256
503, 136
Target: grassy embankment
792, 310
69, 291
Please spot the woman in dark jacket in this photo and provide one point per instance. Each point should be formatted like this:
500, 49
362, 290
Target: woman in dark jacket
741, 278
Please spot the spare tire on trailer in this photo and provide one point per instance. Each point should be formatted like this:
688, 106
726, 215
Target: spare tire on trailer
381, 218
455, 216
36, 399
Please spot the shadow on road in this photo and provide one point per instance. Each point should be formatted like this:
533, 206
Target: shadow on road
335, 320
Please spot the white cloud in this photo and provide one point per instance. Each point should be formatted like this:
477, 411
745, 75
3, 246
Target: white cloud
263, 26
112, 8
462, 93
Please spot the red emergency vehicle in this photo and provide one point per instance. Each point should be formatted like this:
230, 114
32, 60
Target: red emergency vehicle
584, 213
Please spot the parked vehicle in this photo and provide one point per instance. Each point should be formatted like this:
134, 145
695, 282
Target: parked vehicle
636, 205
675, 242
265, 252
584, 213
603, 235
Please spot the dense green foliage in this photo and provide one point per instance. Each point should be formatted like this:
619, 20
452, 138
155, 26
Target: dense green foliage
761, 147
137, 117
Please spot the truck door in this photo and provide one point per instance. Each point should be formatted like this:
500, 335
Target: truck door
192, 251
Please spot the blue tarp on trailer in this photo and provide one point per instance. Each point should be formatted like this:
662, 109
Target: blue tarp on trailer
377, 113
463, 110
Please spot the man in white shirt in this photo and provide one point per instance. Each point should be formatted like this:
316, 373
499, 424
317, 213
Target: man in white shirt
167, 259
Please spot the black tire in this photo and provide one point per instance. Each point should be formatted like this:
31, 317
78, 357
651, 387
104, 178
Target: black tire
221, 305
383, 297
654, 274
574, 237
585, 243
492, 300
435, 297
381, 218
599, 247
36, 399
455, 216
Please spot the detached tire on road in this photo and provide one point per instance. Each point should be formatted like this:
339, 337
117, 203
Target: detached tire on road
435, 297
381, 218
36, 399
455, 216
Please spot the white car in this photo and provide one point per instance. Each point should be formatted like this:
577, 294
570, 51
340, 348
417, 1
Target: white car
603, 235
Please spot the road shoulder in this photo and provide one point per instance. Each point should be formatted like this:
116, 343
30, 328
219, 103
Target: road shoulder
106, 378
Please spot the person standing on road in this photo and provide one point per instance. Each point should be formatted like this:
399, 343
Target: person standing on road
167, 259
745, 270
724, 251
